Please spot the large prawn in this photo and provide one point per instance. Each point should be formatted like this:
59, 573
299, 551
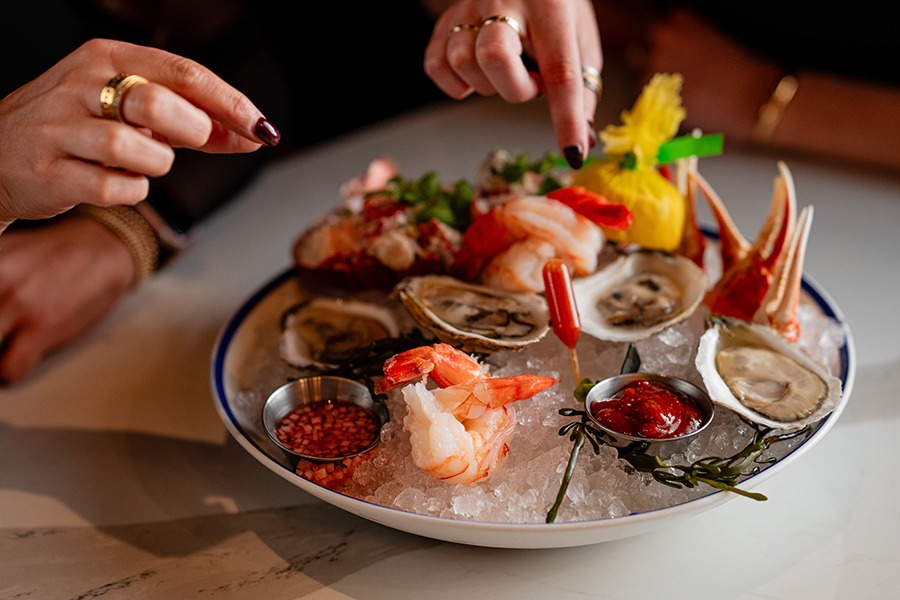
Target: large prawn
458, 430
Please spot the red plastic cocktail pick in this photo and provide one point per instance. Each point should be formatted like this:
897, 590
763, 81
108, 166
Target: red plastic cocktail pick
563, 310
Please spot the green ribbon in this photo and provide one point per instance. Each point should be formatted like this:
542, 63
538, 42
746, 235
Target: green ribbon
690, 145
677, 148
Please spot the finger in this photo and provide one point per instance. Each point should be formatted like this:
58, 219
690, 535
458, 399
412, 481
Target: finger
461, 56
498, 51
167, 114
559, 55
18, 358
77, 181
15, 361
436, 65
195, 83
113, 144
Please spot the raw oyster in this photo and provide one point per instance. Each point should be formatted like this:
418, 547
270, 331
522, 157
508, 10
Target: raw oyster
324, 331
472, 317
753, 371
638, 295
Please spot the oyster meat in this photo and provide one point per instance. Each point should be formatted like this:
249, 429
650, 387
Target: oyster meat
638, 295
323, 332
755, 372
472, 317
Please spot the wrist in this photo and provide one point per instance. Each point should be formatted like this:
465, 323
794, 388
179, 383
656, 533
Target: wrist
134, 232
172, 236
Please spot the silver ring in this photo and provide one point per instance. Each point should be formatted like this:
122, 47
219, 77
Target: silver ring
592, 79
504, 19
462, 27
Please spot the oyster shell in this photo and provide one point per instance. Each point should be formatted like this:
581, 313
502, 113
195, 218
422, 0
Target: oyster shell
638, 295
324, 331
753, 371
472, 317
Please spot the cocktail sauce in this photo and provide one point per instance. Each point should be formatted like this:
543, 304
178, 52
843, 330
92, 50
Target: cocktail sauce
648, 409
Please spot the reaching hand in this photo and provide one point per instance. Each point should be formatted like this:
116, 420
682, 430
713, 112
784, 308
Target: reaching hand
57, 149
477, 47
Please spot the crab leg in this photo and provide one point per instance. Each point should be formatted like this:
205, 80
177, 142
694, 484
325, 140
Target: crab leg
733, 246
779, 223
779, 307
693, 244
748, 271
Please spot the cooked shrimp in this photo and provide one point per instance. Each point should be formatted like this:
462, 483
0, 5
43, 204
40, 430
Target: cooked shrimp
519, 268
508, 246
451, 450
459, 430
576, 239
442, 363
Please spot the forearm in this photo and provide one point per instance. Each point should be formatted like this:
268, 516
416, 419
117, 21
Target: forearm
842, 119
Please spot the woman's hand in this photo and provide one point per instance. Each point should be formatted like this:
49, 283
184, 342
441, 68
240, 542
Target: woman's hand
470, 53
56, 281
57, 150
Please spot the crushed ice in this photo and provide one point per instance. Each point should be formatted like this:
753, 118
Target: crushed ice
602, 487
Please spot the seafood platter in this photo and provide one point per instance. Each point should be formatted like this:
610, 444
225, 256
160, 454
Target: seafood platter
558, 357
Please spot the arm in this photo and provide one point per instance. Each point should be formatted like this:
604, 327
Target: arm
58, 277
835, 117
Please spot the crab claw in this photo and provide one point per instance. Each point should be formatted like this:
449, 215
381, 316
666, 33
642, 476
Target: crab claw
779, 307
693, 242
761, 281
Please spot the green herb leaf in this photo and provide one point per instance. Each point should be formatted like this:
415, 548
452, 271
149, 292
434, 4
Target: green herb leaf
429, 199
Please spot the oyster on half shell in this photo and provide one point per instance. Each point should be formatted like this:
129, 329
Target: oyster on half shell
755, 372
324, 331
638, 295
472, 317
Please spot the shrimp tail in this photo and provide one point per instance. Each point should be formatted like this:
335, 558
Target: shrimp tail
500, 391
471, 400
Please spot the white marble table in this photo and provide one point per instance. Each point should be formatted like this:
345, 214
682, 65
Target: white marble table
119, 480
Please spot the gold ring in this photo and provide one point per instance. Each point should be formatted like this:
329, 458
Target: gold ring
503, 19
592, 79
462, 27
113, 93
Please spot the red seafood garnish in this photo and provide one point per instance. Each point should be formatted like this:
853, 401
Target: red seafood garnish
594, 206
484, 239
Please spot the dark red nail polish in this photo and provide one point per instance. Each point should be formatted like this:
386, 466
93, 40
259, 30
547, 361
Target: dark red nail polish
267, 133
574, 156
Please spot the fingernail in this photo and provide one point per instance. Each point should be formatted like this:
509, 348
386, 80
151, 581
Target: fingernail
266, 132
574, 156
